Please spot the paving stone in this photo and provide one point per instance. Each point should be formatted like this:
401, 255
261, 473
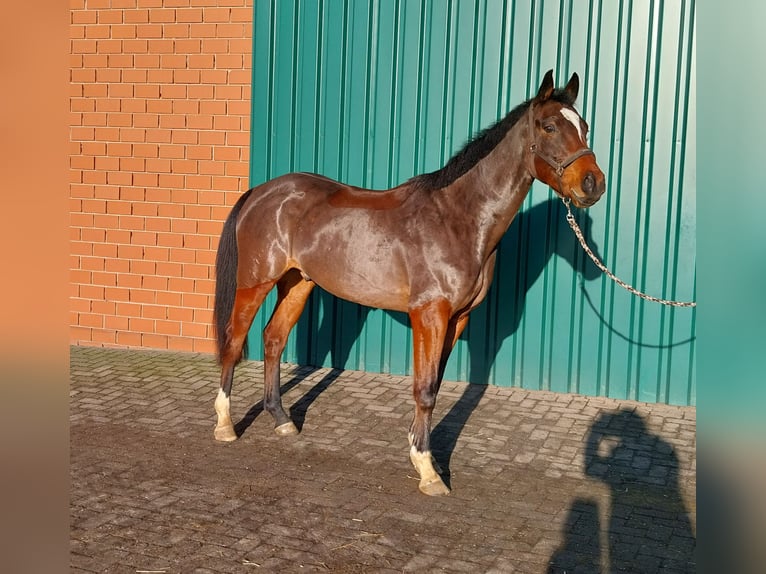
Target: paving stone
542, 482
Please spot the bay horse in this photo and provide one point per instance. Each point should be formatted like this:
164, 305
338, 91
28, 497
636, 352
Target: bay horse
426, 247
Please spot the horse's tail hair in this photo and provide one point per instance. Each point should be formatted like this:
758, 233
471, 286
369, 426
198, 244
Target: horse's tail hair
226, 278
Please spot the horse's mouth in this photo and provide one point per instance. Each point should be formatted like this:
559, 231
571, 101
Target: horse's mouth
583, 201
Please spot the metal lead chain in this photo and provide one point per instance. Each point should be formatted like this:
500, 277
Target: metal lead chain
579, 234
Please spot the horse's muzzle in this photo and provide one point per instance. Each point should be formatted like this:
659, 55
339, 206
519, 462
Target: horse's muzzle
593, 187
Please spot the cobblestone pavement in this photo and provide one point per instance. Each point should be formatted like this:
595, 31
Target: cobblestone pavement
541, 482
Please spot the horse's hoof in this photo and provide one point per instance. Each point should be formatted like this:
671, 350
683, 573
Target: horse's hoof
434, 487
225, 434
286, 429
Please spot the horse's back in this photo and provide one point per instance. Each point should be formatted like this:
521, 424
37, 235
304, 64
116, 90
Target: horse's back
337, 194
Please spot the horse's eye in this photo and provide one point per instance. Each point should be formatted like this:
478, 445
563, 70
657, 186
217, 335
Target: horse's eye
549, 128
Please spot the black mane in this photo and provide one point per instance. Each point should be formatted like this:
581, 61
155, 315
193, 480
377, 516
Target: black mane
479, 147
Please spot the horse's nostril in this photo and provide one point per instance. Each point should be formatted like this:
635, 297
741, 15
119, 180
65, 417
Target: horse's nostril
588, 182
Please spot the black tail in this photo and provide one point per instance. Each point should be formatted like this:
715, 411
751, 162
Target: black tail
226, 277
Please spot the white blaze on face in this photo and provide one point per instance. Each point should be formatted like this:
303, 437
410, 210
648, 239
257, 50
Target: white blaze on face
575, 119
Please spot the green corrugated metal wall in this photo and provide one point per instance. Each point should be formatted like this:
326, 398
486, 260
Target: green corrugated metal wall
372, 93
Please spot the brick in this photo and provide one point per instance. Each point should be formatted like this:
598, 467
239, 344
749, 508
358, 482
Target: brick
131, 46
147, 61
155, 311
83, 46
204, 30
134, 76
154, 341
229, 61
110, 46
199, 182
140, 325
240, 169
170, 61
130, 339
138, 16
176, 31
82, 104
226, 92
218, 46
233, 30
104, 103
170, 240
213, 138
97, 31
162, 15
195, 300
229, 183
95, 119
202, 61
184, 166
149, 31
90, 320
214, 76
108, 134
94, 177
123, 32
189, 15
175, 313
186, 76
238, 139
116, 60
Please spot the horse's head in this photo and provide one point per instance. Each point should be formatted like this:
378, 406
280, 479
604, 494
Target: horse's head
558, 150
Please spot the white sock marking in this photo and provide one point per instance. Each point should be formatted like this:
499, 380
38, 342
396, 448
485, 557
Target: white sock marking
222, 405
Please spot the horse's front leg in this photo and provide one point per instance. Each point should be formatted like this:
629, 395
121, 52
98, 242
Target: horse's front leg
430, 324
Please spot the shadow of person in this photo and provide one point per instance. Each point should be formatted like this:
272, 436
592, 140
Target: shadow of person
536, 235
581, 551
649, 529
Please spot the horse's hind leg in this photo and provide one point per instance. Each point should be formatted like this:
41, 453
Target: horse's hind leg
246, 305
293, 292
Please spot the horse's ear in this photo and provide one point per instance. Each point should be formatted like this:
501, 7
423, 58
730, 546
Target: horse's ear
546, 88
573, 87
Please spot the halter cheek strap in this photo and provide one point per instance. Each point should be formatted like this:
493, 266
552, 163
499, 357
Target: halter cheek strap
559, 167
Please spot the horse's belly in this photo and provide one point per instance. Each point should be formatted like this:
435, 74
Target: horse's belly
357, 265
368, 285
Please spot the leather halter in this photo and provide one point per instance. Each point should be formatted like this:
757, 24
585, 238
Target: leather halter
558, 166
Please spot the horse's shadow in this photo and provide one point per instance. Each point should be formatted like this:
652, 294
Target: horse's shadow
535, 236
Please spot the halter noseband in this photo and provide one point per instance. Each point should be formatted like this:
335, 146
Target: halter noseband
558, 167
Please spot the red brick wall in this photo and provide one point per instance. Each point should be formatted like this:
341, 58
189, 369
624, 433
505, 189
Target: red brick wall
160, 115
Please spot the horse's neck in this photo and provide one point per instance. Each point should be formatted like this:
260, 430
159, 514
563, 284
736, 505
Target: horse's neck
494, 189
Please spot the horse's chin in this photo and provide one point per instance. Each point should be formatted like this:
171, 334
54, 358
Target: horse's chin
582, 201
